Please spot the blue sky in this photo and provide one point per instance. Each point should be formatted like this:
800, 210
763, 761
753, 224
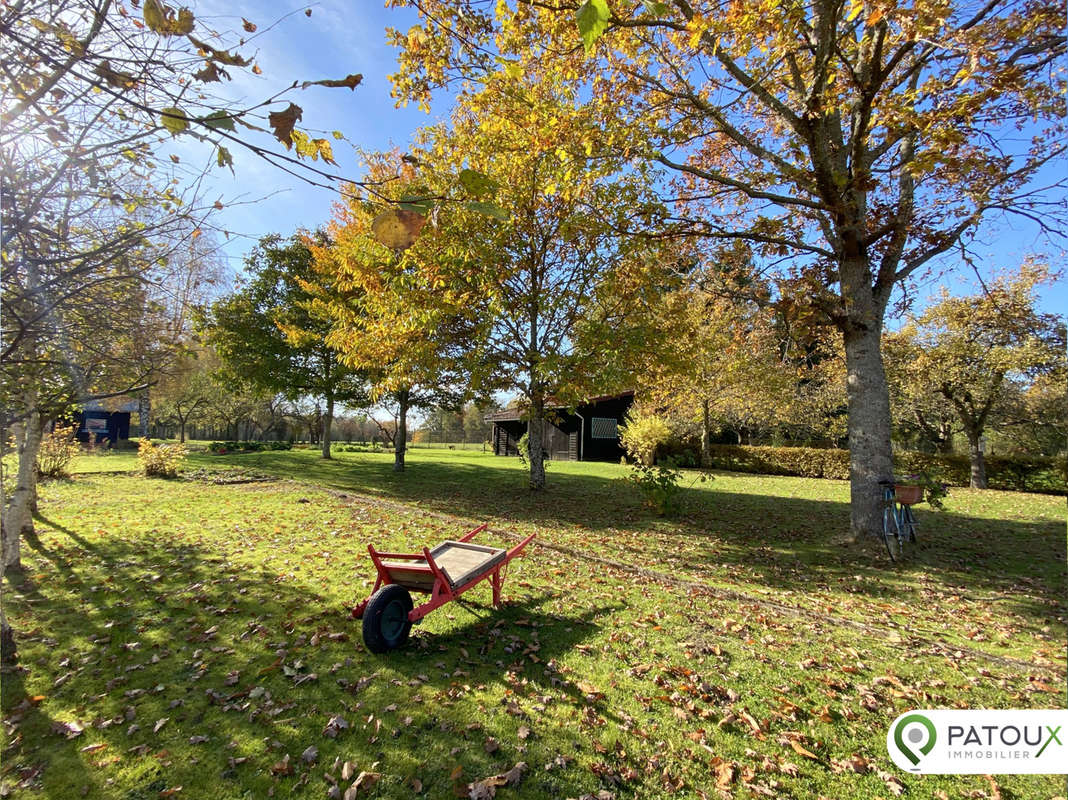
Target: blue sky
340, 38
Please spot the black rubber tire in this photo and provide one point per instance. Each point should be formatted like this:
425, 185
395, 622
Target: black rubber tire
385, 620
891, 535
910, 526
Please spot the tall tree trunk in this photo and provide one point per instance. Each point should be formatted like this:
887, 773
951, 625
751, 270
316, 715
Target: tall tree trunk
400, 437
535, 448
18, 511
945, 438
976, 457
870, 459
181, 430
8, 649
328, 423
144, 412
706, 436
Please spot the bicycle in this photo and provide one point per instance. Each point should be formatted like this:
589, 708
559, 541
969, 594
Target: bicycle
899, 523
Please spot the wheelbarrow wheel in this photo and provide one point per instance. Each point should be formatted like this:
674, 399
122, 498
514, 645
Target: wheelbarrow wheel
385, 620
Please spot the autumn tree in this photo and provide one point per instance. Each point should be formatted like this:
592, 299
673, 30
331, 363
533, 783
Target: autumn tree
920, 412
1042, 416
711, 362
850, 144
186, 389
271, 332
979, 352
388, 319
549, 280
92, 93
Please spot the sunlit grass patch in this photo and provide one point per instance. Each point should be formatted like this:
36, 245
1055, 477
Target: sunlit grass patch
196, 635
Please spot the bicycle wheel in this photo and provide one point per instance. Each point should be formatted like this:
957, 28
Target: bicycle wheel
908, 524
891, 534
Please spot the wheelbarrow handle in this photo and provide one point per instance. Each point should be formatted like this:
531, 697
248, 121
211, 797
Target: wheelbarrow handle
513, 552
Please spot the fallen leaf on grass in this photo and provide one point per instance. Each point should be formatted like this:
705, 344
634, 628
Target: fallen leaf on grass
282, 767
365, 781
486, 789
758, 732
590, 690
855, 763
724, 772
68, 729
310, 755
896, 787
801, 751
92, 748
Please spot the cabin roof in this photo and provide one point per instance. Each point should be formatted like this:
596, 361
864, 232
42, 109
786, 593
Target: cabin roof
516, 413
128, 407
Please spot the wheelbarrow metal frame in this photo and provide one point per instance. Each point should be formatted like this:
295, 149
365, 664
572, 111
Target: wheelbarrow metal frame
440, 589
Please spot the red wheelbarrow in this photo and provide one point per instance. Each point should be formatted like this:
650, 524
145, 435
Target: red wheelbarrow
445, 573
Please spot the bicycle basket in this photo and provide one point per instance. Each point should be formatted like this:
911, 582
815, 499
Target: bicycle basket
908, 495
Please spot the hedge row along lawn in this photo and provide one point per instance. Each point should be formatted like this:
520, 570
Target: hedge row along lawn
191, 638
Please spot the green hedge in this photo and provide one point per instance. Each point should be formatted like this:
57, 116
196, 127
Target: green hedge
1047, 475
247, 447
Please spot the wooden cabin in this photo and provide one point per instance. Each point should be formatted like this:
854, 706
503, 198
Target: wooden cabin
589, 432
106, 421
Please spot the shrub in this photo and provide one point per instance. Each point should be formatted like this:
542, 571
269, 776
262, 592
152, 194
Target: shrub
642, 434
659, 485
221, 448
160, 461
1045, 475
57, 451
933, 490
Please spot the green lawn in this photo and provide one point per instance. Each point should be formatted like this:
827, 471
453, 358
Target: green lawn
191, 638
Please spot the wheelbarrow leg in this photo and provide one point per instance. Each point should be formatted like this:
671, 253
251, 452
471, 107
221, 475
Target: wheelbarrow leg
495, 581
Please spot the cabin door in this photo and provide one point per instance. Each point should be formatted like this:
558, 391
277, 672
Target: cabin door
557, 443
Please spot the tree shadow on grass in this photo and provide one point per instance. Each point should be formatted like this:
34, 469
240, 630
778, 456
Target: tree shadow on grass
181, 668
788, 543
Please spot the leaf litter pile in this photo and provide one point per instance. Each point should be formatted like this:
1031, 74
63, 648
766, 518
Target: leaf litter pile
192, 639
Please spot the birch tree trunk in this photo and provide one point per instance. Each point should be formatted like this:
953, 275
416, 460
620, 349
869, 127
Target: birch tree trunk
706, 436
8, 649
18, 512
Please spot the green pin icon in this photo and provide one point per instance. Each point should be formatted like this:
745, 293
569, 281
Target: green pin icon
899, 736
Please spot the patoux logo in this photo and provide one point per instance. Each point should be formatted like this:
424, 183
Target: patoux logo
912, 733
980, 742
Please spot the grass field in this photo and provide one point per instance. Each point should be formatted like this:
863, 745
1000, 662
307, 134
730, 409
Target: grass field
191, 639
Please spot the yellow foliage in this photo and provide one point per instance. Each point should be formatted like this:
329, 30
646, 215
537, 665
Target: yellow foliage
160, 461
58, 449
